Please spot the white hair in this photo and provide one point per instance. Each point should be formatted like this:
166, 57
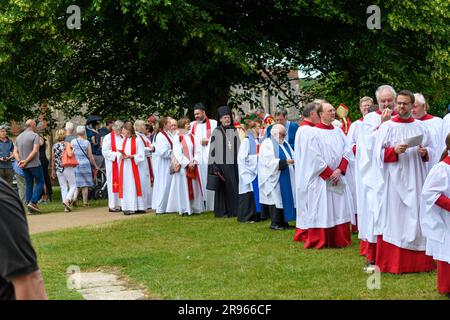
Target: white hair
275, 132
69, 126
420, 98
81, 130
139, 124
117, 125
382, 88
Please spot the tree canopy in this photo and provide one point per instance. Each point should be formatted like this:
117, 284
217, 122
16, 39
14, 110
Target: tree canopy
132, 58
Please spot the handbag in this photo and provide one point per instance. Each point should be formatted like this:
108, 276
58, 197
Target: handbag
67, 161
191, 173
214, 181
174, 165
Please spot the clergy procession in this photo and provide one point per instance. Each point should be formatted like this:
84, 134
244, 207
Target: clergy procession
384, 177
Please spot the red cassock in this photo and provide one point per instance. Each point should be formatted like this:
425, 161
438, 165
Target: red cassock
399, 260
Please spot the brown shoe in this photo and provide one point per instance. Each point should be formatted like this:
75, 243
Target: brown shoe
67, 207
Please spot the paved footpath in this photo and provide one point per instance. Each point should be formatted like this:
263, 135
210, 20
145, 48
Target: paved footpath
39, 223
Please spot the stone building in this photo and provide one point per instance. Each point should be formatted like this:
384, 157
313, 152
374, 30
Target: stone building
270, 101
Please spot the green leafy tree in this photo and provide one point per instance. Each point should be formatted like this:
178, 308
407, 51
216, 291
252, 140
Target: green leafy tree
132, 58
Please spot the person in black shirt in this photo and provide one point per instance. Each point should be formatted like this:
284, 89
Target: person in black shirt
20, 277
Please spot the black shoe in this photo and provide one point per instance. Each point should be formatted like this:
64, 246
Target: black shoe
128, 213
114, 210
141, 212
277, 228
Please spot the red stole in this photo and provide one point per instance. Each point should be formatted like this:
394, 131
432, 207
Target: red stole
168, 139
115, 165
137, 180
149, 163
190, 177
208, 128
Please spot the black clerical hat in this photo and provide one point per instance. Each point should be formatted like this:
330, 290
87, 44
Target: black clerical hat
224, 111
199, 106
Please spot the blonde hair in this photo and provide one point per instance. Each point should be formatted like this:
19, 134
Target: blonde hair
181, 123
60, 135
138, 125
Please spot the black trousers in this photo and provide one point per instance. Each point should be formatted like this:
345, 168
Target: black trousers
276, 215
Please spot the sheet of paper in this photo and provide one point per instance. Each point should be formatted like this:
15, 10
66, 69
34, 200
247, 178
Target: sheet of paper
414, 141
339, 188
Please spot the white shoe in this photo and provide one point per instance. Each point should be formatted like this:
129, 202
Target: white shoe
67, 207
370, 268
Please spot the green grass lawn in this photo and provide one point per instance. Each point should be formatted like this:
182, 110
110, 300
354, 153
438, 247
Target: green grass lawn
202, 257
56, 204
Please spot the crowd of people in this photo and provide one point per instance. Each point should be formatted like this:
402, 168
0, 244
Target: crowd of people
384, 177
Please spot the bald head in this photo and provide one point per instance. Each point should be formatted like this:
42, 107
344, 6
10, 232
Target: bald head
30, 124
278, 132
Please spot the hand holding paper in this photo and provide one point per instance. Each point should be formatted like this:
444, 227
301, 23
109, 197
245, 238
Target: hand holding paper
414, 141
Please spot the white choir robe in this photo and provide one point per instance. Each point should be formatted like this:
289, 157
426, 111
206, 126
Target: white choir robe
445, 126
368, 179
130, 200
435, 221
161, 170
200, 133
325, 208
179, 192
352, 137
399, 221
434, 125
110, 156
144, 172
302, 146
269, 175
247, 167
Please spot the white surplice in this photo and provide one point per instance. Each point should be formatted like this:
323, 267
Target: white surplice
399, 221
179, 192
247, 166
163, 179
269, 174
434, 126
110, 156
302, 146
201, 133
324, 208
435, 221
144, 172
130, 200
368, 178
352, 137
445, 126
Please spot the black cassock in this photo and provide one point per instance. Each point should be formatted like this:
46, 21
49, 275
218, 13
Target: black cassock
223, 159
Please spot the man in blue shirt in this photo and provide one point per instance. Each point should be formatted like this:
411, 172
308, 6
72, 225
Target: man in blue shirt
291, 127
6, 156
